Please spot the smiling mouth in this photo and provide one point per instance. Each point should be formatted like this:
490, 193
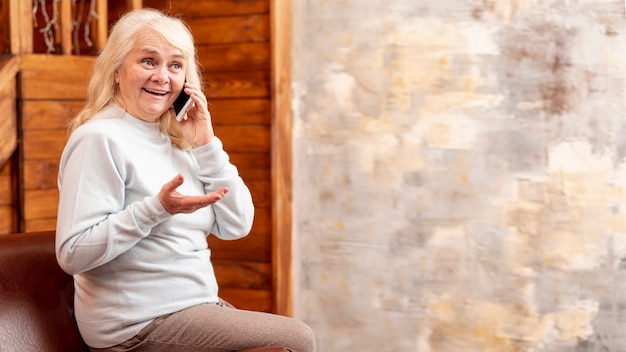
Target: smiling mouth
153, 92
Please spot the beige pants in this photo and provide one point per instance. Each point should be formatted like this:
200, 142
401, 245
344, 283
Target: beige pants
218, 328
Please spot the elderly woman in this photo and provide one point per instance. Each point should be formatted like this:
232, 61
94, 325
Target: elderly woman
140, 191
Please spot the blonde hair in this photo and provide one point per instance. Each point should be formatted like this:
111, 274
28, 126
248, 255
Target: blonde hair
102, 89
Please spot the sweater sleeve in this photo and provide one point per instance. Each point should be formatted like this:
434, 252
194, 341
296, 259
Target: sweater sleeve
234, 213
93, 226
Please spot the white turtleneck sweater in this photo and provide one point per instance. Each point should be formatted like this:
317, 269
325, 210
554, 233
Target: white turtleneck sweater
131, 260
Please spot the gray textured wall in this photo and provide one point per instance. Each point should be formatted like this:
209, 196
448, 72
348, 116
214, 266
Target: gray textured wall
459, 174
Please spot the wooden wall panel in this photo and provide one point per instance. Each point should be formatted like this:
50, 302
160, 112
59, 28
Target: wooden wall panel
234, 51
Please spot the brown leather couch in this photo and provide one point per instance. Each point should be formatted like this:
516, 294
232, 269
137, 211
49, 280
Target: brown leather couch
36, 298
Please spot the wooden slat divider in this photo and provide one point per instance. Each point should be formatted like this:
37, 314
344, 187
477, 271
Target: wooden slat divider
281, 28
134, 4
66, 27
19, 26
9, 66
8, 121
101, 27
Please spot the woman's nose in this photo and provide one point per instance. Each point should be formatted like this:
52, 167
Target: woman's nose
160, 75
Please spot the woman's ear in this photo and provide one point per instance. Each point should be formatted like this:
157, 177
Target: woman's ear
116, 76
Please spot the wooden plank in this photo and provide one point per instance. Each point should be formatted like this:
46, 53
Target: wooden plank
251, 166
53, 84
40, 174
43, 144
240, 111
249, 84
8, 121
73, 63
48, 224
56, 114
234, 57
256, 300
254, 247
242, 139
49, 114
232, 29
54, 77
210, 8
40, 204
281, 28
243, 274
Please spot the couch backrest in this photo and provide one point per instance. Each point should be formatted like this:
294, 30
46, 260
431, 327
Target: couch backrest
36, 297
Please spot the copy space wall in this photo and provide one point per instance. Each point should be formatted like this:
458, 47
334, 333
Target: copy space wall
459, 176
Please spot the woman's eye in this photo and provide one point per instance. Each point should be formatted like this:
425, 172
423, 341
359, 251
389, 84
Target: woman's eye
147, 62
176, 66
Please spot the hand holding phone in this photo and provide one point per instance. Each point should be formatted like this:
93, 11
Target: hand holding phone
182, 104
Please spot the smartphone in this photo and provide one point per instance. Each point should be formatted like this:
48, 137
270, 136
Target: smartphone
181, 104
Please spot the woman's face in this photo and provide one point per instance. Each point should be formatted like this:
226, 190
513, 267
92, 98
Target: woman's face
151, 76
